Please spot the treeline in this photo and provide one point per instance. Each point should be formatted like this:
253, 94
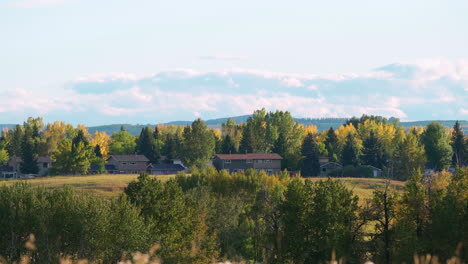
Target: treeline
368, 140
250, 216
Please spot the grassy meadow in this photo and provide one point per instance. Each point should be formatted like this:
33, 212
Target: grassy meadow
111, 185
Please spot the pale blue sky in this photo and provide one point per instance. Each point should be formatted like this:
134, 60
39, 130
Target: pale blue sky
46, 44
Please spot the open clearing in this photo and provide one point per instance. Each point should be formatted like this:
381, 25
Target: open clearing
111, 185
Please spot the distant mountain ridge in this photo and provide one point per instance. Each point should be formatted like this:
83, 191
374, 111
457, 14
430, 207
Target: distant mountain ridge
321, 123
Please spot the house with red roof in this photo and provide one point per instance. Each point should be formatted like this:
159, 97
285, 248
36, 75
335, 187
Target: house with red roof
269, 162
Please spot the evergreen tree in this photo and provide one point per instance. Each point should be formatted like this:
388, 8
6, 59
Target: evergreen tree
79, 138
458, 145
350, 153
29, 160
331, 145
171, 146
228, 146
245, 143
372, 152
310, 152
97, 151
437, 146
146, 145
16, 140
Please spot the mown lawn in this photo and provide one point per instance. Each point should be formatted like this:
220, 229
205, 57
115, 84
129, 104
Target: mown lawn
111, 185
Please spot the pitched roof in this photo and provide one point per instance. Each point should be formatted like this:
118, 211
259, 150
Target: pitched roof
39, 159
130, 158
252, 156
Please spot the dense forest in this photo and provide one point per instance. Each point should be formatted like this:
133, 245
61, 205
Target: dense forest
368, 140
250, 216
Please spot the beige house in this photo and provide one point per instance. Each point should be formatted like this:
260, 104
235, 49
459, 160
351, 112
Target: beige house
269, 162
44, 164
129, 164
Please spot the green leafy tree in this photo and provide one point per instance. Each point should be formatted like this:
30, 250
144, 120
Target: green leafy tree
310, 152
408, 158
382, 212
198, 145
350, 153
412, 221
437, 145
122, 143
4, 157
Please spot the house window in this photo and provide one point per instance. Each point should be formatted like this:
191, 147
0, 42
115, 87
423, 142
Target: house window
227, 161
124, 163
249, 161
259, 161
45, 165
324, 169
267, 161
133, 163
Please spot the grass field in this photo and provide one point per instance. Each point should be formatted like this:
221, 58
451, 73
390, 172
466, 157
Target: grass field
111, 185
105, 185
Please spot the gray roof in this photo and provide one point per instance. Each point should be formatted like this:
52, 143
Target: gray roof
130, 158
253, 156
170, 167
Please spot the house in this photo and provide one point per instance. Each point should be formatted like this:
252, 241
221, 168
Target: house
7, 172
44, 164
326, 167
109, 168
129, 164
269, 162
166, 169
376, 172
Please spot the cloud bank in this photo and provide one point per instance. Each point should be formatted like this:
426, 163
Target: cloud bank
410, 91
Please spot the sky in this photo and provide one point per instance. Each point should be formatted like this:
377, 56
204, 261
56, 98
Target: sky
101, 62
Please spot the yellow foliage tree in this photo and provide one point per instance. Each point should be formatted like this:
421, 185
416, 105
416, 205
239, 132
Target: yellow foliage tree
103, 140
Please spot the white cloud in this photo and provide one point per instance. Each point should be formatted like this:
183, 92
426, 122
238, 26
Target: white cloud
292, 82
183, 94
312, 87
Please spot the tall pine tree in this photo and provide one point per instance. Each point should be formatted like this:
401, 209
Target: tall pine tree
458, 145
146, 145
350, 153
29, 161
372, 152
330, 145
228, 146
310, 152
